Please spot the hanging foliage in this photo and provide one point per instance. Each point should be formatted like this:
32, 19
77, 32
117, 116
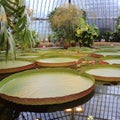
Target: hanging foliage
6, 39
3, 27
14, 25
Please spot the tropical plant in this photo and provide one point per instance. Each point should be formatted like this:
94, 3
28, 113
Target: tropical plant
63, 21
14, 25
6, 39
85, 33
115, 35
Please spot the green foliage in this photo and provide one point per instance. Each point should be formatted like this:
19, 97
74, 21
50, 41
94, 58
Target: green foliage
6, 39
63, 21
86, 33
14, 24
3, 27
115, 35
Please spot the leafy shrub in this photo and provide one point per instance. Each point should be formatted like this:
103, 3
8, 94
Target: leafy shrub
86, 33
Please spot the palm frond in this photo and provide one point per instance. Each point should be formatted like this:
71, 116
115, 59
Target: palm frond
12, 44
13, 16
3, 27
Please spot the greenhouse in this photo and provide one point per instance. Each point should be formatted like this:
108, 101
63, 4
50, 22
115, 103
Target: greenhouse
59, 59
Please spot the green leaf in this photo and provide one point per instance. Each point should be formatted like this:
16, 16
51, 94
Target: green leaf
20, 11
12, 44
12, 2
7, 5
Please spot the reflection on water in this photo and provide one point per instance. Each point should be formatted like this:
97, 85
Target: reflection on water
11, 111
8, 114
104, 104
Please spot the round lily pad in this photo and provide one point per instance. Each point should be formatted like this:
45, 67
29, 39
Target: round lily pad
15, 66
27, 57
57, 61
104, 72
113, 61
46, 86
107, 53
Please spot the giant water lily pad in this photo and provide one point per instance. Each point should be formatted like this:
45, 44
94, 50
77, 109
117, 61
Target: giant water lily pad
81, 49
15, 66
46, 86
117, 53
104, 72
57, 61
27, 57
108, 48
112, 60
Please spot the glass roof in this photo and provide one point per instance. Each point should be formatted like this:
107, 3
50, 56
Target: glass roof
103, 13
94, 8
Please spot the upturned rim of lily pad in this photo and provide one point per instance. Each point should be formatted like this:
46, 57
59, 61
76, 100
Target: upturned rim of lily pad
50, 100
101, 77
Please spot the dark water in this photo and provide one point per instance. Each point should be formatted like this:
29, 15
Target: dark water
103, 104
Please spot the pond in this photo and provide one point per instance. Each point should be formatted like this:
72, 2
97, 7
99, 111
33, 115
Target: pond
102, 103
